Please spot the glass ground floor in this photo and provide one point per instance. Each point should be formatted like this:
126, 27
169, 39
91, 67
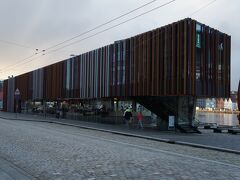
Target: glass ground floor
160, 112
105, 111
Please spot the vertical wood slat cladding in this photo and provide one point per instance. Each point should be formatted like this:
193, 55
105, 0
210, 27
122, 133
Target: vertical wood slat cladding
149, 63
217, 62
140, 66
193, 57
47, 81
157, 74
161, 63
22, 83
156, 63
127, 69
173, 56
131, 68
53, 81
165, 50
135, 65
228, 71
153, 64
185, 57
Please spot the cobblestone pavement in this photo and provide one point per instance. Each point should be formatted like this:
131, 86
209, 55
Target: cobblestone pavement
51, 151
9, 171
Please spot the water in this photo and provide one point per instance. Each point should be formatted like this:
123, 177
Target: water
219, 118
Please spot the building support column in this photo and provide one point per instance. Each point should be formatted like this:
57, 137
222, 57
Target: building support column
186, 110
182, 108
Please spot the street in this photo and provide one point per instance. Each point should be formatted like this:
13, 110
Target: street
51, 151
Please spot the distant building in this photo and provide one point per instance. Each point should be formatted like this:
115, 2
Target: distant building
210, 103
201, 103
219, 103
206, 103
227, 104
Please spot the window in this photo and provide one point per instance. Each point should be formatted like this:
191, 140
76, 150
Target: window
198, 35
198, 27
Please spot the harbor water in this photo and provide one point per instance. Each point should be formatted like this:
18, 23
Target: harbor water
218, 118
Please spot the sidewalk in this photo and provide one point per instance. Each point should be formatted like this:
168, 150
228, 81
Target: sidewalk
208, 140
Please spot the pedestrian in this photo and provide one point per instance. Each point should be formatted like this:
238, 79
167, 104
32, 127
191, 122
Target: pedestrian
139, 118
127, 116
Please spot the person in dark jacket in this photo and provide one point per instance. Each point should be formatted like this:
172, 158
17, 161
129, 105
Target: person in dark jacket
127, 116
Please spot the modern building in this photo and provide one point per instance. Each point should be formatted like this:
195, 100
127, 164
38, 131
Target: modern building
164, 70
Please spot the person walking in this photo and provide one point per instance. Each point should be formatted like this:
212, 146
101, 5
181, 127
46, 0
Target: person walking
139, 118
127, 116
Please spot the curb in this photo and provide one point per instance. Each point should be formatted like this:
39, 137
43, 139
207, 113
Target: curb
133, 135
208, 147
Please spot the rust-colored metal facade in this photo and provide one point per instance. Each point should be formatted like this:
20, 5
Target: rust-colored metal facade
185, 58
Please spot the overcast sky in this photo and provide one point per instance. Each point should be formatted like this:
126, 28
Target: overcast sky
26, 25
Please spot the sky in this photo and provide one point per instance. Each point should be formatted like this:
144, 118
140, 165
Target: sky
29, 29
